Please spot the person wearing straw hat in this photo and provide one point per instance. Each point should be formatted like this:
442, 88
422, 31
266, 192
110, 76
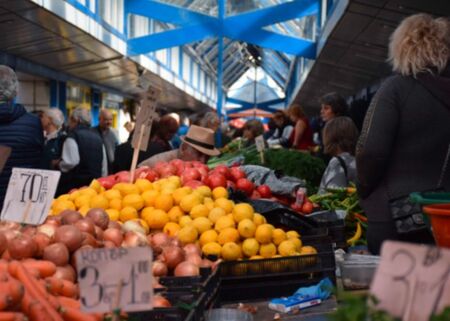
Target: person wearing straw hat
197, 145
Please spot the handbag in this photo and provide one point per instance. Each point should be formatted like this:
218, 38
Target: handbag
408, 216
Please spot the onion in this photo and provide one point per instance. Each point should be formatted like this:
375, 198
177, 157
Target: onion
133, 226
156, 284
98, 233
66, 272
6, 256
7, 226
11, 234
48, 229
29, 230
175, 242
113, 235
86, 225
160, 302
99, 216
173, 256
186, 268
192, 249
42, 241
22, 247
109, 244
160, 239
206, 263
114, 224
159, 269
70, 236
69, 217
3, 243
57, 253
194, 258
88, 239
53, 220
133, 239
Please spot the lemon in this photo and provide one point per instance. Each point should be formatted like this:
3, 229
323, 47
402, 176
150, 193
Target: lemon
204, 190
202, 224
231, 251
128, 213
115, 203
224, 203
258, 219
185, 220
189, 201
99, 201
212, 248
187, 234
216, 213
156, 219
246, 228
62, 205
287, 248
223, 222
164, 202
250, 247
149, 197
228, 234
306, 250
263, 233
297, 242
209, 203
256, 257
113, 214
82, 200
171, 229
242, 211
179, 193
88, 191
95, 185
175, 213
174, 180
208, 237
112, 194
199, 210
143, 184
74, 195
83, 210
278, 236
267, 250
220, 192
291, 234
64, 197
146, 212
133, 200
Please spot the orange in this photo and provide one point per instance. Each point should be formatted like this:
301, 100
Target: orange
220, 192
188, 202
242, 211
179, 193
133, 200
126, 188
157, 219
199, 210
128, 213
228, 234
216, 213
175, 213
211, 248
112, 194
231, 251
115, 203
246, 228
113, 214
187, 234
82, 200
99, 201
171, 229
164, 202
143, 184
263, 233
224, 203
208, 237
149, 197
267, 250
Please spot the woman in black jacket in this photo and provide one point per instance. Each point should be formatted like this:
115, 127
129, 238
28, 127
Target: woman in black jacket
405, 141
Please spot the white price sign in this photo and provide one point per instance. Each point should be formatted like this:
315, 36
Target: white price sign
115, 278
29, 195
260, 145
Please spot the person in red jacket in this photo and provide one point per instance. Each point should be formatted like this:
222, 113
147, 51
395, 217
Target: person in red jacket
302, 135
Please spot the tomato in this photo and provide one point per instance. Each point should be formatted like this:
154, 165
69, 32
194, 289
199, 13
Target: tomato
245, 185
222, 170
236, 173
151, 175
307, 207
177, 162
265, 191
193, 184
255, 195
190, 174
215, 180
296, 207
122, 177
108, 181
166, 170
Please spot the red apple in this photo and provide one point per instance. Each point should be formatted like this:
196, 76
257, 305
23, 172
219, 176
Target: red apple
108, 181
245, 185
193, 184
151, 175
265, 191
190, 174
216, 180
222, 169
236, 173
122, 177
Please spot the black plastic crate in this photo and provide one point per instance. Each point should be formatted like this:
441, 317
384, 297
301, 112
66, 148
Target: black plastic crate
335, 226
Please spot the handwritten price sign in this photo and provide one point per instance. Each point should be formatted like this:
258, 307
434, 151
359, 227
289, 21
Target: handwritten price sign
260, 145
115, 278
412, 281
29, 195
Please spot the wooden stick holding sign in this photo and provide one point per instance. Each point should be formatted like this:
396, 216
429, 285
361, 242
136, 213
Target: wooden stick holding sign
144, 120
260, 147
5, 152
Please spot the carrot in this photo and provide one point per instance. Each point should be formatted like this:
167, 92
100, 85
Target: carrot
33, 308
32, 286
45, 268
73, 314
5, 299
68, 302
54, 285
69, 289
16, 290
12, 316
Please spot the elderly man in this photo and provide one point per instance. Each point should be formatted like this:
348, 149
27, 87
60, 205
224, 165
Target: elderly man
197, 145
108, 136
52, 120
19, 130
83, 155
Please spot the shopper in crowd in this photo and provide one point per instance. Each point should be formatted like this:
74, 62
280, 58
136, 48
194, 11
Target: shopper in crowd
302, 135
52, 120
332, 105
211, 120
107, 134
252, 129
272, 127
19, 130
405, 142
165, 131
339, 136
283, 130
197, 145
83, 155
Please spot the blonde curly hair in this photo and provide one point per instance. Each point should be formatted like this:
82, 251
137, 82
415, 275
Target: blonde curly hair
420, 43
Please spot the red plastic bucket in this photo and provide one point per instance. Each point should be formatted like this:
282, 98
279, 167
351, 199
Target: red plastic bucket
440, 221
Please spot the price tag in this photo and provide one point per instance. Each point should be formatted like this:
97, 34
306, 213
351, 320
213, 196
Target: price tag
260, 144
112, 278
412, 281
29, 195
5, 152
144, 119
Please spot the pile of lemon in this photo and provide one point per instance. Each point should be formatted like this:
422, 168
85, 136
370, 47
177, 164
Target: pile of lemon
203, 216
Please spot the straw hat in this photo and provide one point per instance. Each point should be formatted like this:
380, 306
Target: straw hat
202, 139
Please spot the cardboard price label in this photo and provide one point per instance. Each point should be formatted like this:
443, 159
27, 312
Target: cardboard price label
260, 144
412, 281
115, 278
144, 119
29, 195
5, 152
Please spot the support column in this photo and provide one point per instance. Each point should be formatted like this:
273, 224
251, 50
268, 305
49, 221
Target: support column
58, 95
221, 4
95, 105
